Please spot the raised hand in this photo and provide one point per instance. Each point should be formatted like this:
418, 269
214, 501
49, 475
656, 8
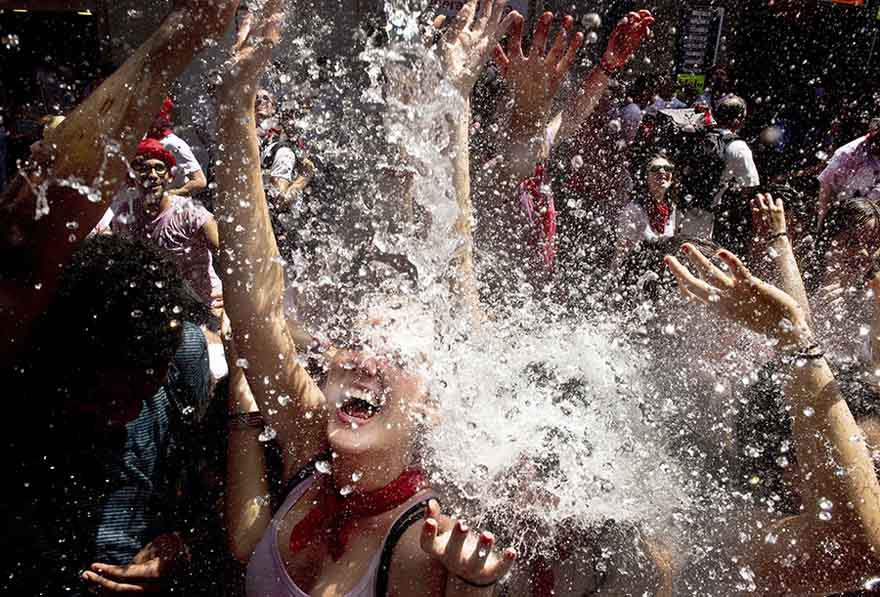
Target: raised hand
256, 38
534, 78
741, 297
626, 39
769, 216
467, 43
467, 556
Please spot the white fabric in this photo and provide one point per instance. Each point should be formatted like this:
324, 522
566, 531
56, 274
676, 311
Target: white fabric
186, 160
284, 164
634, 225
740, 171
853, 171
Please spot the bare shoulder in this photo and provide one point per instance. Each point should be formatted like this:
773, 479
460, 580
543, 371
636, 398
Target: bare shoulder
413, 572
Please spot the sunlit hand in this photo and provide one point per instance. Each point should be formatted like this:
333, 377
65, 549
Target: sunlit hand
465, 554
768, 215
257, 36
626, 39
155, 564
467, 43
741, 297
534, 78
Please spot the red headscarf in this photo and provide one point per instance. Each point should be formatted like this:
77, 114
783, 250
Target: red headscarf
153, 150
161, 127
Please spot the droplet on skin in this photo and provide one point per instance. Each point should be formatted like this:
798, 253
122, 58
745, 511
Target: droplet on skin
323, 467
243, 363
267, 435
346, 490
809, 411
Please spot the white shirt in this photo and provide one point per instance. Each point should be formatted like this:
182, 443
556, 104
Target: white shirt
634, 225
740, 171
186, 160
853, 171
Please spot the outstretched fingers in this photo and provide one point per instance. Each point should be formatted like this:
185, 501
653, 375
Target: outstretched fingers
690, 285
463, 19
707, 269
737, 268
539, 40
558, 48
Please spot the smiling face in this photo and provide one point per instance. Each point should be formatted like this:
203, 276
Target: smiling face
660, 172
376, 403
264, 104
153, 177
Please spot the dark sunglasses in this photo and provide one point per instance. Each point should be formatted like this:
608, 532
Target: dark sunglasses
143, 168
661, 168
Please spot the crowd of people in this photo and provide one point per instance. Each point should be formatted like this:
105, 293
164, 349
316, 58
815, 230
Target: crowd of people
191, 429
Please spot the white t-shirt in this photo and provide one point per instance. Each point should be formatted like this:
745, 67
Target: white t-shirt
853, 171
283, 164
186, 160
634, 225
740, 171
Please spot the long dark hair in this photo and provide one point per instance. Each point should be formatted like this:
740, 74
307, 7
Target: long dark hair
641, 193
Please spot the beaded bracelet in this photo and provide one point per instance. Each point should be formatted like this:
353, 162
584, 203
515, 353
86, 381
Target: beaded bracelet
778, 235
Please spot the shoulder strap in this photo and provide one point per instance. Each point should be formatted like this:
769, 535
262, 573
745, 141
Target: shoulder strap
409, 518
300, 476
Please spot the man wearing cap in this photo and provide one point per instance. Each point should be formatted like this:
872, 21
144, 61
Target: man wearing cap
183, 228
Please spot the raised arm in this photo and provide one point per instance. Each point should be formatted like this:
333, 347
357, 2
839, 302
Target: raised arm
87, 147
534, 78
253, 280
770, 222
464, 49
829, 547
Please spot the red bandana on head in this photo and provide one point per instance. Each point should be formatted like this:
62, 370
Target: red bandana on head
335, 515
151, 149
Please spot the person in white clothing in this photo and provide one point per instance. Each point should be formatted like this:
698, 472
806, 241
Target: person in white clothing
189, 178
652, 215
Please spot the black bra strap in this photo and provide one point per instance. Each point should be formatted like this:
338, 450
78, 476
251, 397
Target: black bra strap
409, 518
300, 476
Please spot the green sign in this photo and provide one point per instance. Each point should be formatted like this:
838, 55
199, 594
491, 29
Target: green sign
697, 82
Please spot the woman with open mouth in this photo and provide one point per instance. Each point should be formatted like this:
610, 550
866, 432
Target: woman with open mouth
349, 448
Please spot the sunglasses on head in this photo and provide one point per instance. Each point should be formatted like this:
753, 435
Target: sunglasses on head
661, 168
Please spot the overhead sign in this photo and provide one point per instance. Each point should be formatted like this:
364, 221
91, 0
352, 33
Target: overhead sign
700, 39
451, 7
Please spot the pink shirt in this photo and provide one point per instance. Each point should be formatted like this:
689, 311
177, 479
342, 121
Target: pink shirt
853, 171
178, 230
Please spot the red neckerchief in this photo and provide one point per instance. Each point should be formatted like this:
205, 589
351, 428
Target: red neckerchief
336, 515
658, 217
540, 210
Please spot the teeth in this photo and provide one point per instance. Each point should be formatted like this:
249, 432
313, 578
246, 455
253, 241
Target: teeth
366, 396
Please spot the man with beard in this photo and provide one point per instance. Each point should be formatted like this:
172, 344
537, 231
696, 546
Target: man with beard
184, 229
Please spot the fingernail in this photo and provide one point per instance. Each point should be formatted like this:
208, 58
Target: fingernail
461, 526
686, 248
486, 538
509, 554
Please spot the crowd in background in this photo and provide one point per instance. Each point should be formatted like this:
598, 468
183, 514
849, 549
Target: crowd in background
179, 411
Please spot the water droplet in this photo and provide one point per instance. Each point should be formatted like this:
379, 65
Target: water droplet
267, 435
809, 411
864, 330
323, 467
346, 490
356, 476
872, 584
826, 504
137, 313
243, 363
591, 37
72, 225
824, 515
720, 388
